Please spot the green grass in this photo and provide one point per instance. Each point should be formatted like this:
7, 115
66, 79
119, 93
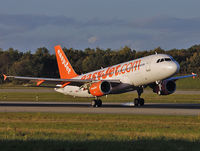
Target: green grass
188, 84
85, 132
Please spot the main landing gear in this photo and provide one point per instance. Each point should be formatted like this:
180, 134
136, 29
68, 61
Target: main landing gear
139, 101
96, 103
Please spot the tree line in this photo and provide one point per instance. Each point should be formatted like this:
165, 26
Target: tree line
43, 64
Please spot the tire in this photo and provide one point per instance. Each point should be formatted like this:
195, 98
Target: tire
94, 103
136, 102
99, 103
141, 102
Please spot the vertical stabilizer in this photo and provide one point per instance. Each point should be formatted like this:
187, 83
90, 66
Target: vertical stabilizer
65, 69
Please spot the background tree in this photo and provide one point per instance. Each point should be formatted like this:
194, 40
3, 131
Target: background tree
43, 64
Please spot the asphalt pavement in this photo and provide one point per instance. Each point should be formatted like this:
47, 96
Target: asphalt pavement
107, 108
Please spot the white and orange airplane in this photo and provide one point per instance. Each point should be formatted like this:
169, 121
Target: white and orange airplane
156, 71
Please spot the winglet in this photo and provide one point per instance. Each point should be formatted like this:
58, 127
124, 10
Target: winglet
4, 77
194, 75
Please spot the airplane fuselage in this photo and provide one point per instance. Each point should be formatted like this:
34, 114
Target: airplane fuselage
131, 74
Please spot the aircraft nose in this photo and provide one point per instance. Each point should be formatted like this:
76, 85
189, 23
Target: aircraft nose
173, 68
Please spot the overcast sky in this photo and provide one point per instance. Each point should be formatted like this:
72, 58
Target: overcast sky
139, 24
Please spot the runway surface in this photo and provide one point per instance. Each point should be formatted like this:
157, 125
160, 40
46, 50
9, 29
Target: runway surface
107, 108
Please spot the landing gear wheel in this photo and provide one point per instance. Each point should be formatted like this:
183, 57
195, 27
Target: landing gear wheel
136, 102
96, 103
141, 102
99, 103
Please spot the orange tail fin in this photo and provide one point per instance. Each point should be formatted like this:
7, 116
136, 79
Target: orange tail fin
65, 69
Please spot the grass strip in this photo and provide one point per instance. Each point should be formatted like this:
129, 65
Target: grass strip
98, 132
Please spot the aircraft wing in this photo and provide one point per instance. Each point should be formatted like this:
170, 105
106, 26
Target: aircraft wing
181, 77
61, 82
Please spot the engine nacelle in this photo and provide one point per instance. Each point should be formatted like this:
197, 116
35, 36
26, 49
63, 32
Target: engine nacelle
167, 87
100, 88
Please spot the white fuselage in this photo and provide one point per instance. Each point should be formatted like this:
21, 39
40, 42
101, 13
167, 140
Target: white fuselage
131, 74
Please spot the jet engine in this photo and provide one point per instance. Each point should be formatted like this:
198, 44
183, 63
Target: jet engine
165, 88
100, 88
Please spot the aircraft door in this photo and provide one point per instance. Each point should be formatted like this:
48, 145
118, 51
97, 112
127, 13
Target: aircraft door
148, 65
148, 69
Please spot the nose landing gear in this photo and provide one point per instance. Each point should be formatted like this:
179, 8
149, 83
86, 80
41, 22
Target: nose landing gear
139, 101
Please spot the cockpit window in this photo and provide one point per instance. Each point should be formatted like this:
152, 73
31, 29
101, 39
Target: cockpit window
163, 59
168, 59
158, 61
